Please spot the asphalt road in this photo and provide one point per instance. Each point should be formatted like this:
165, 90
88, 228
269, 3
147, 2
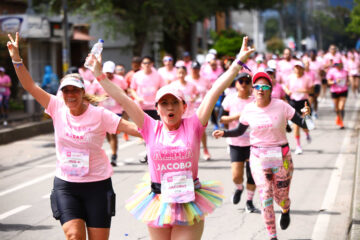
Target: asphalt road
321, 189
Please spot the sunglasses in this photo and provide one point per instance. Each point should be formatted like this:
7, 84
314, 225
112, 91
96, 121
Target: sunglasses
262, 87
241, 81
146, 63
167, 59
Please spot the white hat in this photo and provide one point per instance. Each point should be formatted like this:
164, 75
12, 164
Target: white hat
259, 58
213, 51
272, 64
179, 63
109, 67
209, 57
169, 89
300, 64
71, 81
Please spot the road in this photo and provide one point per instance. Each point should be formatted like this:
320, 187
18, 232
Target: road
321, 189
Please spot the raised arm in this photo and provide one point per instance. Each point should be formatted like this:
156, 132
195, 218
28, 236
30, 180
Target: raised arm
206, 106
22, 73
114, 91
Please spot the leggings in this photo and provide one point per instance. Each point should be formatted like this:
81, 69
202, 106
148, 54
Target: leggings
272, 183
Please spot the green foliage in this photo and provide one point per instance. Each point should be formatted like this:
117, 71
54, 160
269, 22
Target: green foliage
354, 25
271, 28
275, 45
15, 105
228, 43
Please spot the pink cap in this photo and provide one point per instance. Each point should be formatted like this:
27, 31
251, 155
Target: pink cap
300, 64
262, 75
337, 61
168, 89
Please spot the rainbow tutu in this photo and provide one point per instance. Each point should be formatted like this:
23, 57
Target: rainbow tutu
147, 206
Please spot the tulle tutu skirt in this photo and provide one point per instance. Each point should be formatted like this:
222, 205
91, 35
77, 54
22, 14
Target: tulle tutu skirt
147, 206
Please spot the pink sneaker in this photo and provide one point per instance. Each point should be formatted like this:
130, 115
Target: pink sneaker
206, 155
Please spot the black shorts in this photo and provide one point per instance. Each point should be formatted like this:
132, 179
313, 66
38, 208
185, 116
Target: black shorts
340, 94
153, 114
94, 202
324, 81
239, 154
298, 105
317, 88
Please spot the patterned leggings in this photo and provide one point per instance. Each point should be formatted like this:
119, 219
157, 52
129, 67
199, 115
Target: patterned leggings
272, 183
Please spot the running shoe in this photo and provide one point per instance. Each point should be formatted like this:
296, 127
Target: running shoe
113, 160
273, 239
315, 116
285, 220
145, 160
207, 156
5, 123
126, 137
288, 128
237, 196
308, 138
298, 150
338, 121
250, 208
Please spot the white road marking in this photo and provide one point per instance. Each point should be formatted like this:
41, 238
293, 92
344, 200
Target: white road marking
14, 211
46, 196
26, 184
322, 221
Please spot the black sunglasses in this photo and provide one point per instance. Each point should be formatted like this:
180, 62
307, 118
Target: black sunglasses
241, 81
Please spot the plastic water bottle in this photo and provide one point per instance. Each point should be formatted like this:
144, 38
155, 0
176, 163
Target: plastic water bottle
96, 50
309, 122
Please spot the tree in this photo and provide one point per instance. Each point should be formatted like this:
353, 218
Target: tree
227, 43
353, 26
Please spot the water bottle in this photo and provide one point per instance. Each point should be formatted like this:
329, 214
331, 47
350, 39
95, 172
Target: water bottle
96, 50
309, 122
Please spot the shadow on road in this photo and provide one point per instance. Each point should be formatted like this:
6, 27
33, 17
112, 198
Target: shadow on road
22, 227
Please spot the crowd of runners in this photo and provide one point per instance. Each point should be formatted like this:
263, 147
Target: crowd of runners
253, 99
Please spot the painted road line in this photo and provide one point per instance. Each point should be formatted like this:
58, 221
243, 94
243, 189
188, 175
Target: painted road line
322, 221
46, 196
14, 211
26, 184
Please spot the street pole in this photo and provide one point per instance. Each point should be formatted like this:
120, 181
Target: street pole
65, 39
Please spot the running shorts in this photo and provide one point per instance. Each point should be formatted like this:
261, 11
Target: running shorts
339, 94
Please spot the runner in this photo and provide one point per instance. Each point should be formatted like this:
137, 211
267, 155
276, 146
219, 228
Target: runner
171, 207
285, 66
240, 146
352, 67
270, 157
315, 68
5, 84
120, 70
298, 88
83, 198
338, 81
168, 71
202, 85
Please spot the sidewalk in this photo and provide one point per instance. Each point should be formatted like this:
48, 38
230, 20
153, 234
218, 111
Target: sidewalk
22, 125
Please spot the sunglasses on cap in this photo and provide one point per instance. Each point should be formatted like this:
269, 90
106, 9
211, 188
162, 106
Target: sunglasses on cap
241, 81
262, 87
167, 59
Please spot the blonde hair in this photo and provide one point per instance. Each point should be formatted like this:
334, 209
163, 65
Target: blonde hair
93, 99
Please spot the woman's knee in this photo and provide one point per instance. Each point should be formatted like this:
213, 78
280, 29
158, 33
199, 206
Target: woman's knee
75, 230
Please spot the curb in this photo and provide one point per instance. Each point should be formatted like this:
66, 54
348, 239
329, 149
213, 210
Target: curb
24, 131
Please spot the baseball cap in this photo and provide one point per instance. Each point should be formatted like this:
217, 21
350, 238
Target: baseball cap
209, 57
213, 51
2, 69
272, 64
195, 65
71, 81
108, 67
300, 64
168, 89
186, 54
262, 75
337, 61
242, 75
179, 63
269, 70
259, 58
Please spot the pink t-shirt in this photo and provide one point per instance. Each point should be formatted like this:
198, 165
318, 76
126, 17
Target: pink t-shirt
211, 75
235, 105
86, 74
328, 58
166, 75
352, 67
315, 67
188, 66
285, 69
202, 86
110, 103
4, 91
172, 151
84, 133
146, 86
190, 92
294, 84
267, 125
341, 80
277, 91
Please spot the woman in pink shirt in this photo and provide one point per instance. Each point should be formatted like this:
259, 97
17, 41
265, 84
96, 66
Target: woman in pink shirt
352, 67
315, 67
176, 204
82, 198
270, 158
5, 84
234, 103
168, 71
338, 80
298, 88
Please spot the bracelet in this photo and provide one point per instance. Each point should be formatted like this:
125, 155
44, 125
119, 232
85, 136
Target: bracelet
243, 65
17, 63
101, 77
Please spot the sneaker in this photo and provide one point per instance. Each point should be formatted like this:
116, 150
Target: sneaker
5, 123
207, 156
337, 121
145, 160
298, 150
288, 128
308, 138
315, 116
113, 160
285, 220
250, 208
274, 238
237, 196
125, 137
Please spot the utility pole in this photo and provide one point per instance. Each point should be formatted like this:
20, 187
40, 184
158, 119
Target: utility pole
65, 39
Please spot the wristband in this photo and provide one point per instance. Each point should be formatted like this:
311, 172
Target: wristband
101, 77
243, 65
17, 63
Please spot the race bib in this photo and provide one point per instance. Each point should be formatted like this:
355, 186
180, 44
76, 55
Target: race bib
177, 187
269, 157
74, 162
341, 82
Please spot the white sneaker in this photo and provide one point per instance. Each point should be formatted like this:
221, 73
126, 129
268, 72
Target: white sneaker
5, 123
298, 150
